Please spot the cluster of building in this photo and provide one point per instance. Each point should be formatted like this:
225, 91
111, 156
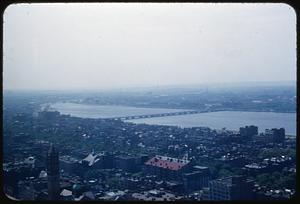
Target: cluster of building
139, 162
162, 178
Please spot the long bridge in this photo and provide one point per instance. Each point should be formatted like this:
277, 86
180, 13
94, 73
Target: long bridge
158, 115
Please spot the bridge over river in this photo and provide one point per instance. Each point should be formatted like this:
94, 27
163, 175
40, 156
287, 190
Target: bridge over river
158, 115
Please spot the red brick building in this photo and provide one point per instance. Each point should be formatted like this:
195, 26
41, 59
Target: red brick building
167, 167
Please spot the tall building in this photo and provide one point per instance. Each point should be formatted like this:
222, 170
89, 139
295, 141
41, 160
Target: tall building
196, 179
248, 131
53, 173
277, 135
231, 188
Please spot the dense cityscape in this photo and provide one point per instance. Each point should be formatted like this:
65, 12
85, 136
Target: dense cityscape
53, 156
169, 101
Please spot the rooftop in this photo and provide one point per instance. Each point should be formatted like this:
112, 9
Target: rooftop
92, 158
167, 162
68, 158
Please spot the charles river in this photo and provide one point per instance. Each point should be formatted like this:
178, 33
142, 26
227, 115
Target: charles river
232, 120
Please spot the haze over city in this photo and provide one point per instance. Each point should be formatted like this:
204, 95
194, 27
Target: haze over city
149, 102
99, 46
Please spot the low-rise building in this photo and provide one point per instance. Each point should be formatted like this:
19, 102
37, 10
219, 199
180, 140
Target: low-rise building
155, 195
167, 167
68, 163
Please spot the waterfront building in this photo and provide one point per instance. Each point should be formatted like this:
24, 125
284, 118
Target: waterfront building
248, 131
278, 135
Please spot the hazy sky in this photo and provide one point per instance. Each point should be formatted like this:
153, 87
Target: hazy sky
111, 45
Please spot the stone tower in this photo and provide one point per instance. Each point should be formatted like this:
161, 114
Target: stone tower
53, 173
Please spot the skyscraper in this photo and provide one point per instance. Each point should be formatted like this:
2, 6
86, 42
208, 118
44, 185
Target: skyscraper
53, 173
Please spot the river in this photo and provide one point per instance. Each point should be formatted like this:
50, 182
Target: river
231, 120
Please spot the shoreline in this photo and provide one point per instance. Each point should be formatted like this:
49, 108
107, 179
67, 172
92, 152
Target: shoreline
136, 121
183, 109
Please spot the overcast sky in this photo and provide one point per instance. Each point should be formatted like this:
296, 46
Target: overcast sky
112, 45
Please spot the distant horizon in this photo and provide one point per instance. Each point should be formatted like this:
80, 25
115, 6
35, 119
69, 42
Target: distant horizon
201, 85
111, 46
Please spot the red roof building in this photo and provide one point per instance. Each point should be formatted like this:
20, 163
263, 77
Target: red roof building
167, 162
167, 166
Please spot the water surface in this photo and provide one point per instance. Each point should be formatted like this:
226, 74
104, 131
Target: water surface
99, 111
231, 120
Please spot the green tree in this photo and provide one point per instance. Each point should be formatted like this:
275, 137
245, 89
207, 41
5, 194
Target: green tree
92, 174
263, 179
225, 173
